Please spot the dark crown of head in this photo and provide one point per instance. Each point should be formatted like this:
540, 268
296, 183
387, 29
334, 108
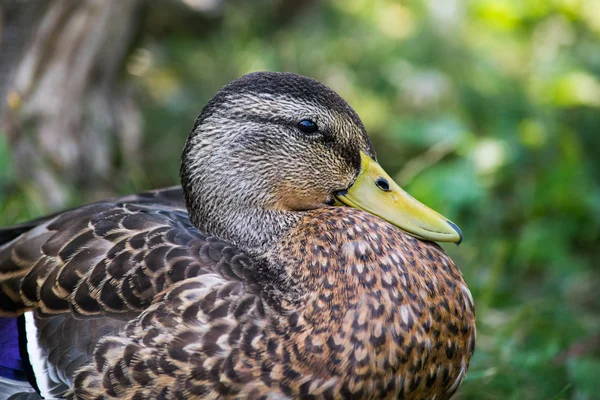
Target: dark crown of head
284, 84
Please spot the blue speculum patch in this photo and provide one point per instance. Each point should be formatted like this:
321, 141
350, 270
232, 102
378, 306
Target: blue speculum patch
11, 364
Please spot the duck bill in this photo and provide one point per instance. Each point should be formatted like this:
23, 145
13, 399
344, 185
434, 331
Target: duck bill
375, 192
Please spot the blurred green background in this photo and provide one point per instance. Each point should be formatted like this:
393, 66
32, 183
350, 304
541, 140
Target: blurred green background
488, 111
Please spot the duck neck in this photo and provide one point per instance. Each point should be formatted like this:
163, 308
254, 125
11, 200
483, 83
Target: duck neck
254, 230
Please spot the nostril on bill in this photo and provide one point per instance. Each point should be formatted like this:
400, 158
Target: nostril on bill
383, 184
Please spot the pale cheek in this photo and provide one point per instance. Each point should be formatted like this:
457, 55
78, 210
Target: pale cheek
310, 181
295, 198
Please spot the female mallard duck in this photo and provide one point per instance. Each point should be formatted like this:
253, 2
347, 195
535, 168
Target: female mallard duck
253, 281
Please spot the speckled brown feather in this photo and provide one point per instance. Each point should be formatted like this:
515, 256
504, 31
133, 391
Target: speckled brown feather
364, 311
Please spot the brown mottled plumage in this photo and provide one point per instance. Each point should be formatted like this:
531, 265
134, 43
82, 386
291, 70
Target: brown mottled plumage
276, 295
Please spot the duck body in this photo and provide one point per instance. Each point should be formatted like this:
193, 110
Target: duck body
357, 322
336, 303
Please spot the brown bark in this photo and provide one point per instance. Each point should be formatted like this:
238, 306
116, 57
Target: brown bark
66, 111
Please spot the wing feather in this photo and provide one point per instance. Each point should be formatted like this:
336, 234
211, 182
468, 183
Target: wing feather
109, 258
89, 271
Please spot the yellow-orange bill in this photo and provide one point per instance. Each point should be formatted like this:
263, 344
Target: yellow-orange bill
375, 192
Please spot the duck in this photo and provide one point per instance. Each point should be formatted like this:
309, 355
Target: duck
287, 265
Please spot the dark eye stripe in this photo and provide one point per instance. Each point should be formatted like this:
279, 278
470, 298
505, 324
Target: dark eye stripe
307, 126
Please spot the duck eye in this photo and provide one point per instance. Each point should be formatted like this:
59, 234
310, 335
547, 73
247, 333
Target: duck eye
307, 126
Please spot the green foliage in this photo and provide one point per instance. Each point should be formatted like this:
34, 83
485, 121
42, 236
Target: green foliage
486, 110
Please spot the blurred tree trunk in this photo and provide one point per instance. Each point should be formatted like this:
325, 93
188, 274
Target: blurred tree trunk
66, 110
70, 116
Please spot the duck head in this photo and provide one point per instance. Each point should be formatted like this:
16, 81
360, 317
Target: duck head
271, 145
